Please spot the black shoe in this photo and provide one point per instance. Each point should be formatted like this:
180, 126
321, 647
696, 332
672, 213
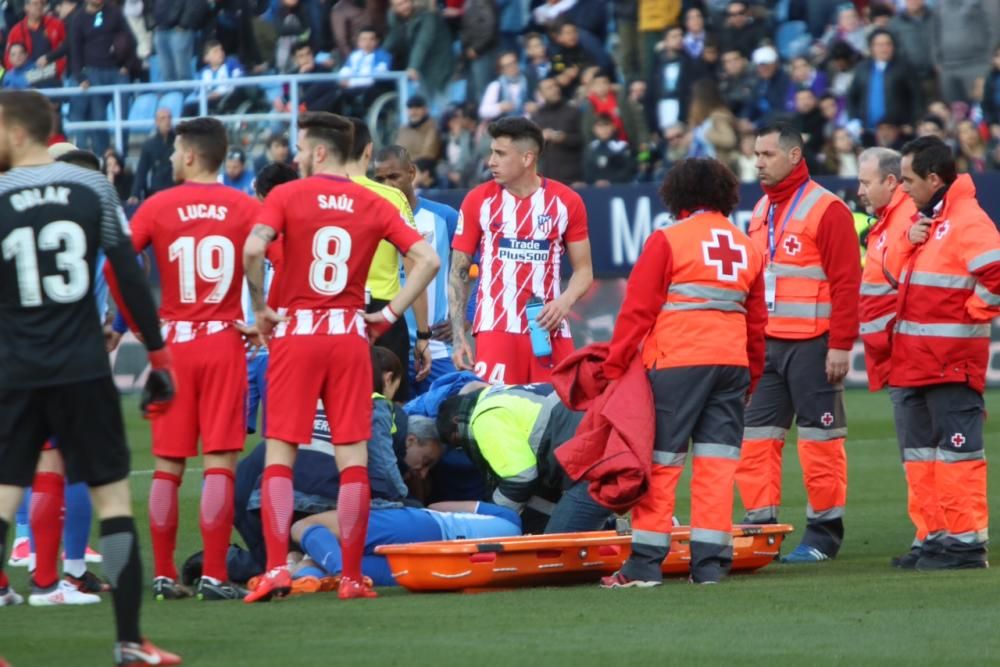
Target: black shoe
165, 588
907, 561
191, 570
953, 559
88, 583
208, 589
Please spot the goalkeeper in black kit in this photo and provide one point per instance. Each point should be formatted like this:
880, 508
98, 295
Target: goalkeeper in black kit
55, 378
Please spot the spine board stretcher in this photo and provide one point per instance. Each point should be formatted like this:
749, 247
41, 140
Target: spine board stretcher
549, 560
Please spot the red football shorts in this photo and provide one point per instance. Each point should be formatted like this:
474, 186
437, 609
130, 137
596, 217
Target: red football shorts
211, 374
507, 358
304, 369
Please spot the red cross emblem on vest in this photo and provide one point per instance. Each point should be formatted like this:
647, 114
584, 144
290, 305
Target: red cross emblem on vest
941, 230
827, 419
792, 245
958, 440
723, 253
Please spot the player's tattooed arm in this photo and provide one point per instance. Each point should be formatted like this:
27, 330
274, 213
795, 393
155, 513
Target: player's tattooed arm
253, 263
458, 301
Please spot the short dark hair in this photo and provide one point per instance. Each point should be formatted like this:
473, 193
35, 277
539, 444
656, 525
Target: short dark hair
604, 119
362, 137
384, 360
207, 137
82, 158
394, 152
878, 9
931, 156
29, 110
279, 139
695, 183
336, 132
935, 120
877, 32
211, 44
298, 46
368, 28
271, 176
788, 136
517, 128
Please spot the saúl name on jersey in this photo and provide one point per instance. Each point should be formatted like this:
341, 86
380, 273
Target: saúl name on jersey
336, 203
52, 194
524, 250
201, 212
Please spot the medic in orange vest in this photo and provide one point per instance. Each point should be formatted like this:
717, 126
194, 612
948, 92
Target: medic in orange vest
949, 276
695, 302
812, 279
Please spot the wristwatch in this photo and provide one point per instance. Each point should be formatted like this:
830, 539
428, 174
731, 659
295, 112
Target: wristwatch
423, 335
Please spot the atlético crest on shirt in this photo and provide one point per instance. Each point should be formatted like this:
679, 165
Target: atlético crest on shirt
544, 223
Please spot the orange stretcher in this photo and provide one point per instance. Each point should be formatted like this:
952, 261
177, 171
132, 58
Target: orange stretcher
550, 560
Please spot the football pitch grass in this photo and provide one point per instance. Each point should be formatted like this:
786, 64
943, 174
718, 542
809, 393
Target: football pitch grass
854, 610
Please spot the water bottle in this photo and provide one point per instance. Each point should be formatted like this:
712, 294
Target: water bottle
541, 345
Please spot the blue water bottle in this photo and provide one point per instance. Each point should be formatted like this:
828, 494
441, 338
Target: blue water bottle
541, 344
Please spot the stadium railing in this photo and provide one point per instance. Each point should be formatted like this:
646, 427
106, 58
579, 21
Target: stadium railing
378, 116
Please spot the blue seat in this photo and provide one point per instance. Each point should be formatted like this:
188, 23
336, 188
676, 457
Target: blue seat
174, 101
143, 109
792, 39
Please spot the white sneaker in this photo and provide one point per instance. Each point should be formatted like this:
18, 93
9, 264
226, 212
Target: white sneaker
63, 593
20, 553
9, 597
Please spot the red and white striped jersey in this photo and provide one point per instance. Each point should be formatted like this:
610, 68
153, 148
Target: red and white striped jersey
522, 243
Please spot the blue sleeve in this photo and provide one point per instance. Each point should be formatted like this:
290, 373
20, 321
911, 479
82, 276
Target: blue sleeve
451, 220
382, 463
489, 509
119, 326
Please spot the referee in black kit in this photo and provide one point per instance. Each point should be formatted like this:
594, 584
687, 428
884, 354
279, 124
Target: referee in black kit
55, 379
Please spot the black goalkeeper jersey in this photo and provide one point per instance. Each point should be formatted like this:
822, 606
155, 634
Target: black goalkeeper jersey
53, 220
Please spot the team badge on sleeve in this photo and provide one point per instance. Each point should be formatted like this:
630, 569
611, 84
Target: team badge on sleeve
461, 224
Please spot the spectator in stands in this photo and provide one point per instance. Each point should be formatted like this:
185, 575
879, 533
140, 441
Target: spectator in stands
66, 11
973, 156
277, 151
562, 158
746, 161
236, 175
912, 29
16, 75
102, 48
608, 158
460, 159
677, 142
219, 68
537, 65
365, 60
420, 42
804, 75
292, 21
811, 124
154, 172
626, 14
889, 135
347, 19
420, 136
175, 23
770, 86
572, 52
848, 29
655, 16
694, 32
833, 115
961, 43
740, 32
736, 82
713, 125
136, 15
39, 34
931, 126
424, 180
117, 173
673, 75
991, 96
842, 155
883, 88
479, 39
315, 95
506, 95
840, 69
602, 99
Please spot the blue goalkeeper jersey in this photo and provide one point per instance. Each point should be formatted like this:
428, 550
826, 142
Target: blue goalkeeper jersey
488, 521
436, 223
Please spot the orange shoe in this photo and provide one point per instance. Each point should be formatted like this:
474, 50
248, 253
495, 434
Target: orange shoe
271, 584
306, 585
350, 589
328, 584
146, 653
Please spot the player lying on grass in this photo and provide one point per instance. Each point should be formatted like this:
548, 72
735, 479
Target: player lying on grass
318, 535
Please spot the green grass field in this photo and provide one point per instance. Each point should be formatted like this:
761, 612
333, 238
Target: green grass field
855, 610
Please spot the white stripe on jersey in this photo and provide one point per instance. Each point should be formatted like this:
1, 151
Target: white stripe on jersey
485, 307
321, 321
508, 285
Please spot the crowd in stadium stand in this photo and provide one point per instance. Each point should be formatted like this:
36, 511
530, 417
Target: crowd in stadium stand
622, 88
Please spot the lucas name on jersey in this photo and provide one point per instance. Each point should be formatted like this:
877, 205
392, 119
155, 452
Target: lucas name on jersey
202, 212
32, 197
535, 251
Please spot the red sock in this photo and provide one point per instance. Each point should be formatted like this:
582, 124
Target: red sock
216, 520
46, 520
277, 502
353, 505
163, 522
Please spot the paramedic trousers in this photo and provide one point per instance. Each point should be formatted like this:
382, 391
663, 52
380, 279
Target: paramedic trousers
699, 410
940, 430
794, 387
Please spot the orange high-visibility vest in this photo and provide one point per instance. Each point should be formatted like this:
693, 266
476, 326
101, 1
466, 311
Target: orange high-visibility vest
877, 304
802, 303
703, 320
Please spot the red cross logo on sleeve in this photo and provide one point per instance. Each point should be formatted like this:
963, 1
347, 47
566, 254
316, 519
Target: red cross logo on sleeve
827, 419
958, 440
941, 230
792, 245
723, 253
